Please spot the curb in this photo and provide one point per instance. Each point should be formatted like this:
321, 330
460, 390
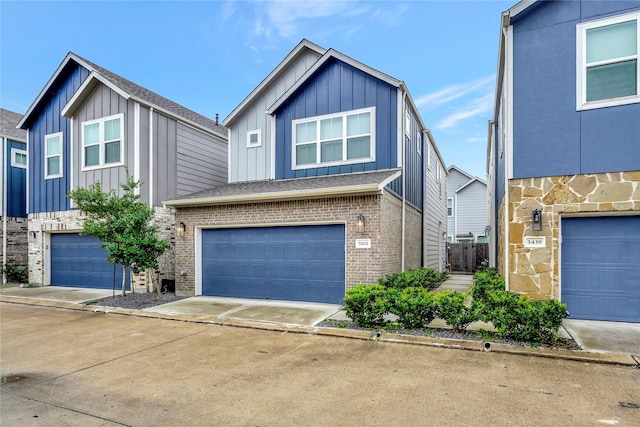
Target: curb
450, 343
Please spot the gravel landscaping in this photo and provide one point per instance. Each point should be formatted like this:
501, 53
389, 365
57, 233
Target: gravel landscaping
137, 301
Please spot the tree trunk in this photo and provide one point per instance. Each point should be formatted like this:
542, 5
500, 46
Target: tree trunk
124, 281
155, 284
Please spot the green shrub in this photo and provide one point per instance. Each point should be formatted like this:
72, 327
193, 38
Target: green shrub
516, 316
366, 305
414, 306
485, 280
15, 273
419, 277
451, 308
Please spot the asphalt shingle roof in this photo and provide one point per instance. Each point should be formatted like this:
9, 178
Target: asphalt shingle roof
8, 122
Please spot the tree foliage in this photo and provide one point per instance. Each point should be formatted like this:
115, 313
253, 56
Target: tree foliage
123, 224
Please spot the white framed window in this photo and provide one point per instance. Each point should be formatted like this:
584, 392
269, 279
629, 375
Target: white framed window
254, 138
428, 149
334, 139
407, 123
419, 145
607, 53
102, 142
449, 238
449, 206
438, 173
18, 158
53, 155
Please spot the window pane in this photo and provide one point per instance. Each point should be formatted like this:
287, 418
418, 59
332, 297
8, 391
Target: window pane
358, 148
305, 154
20, 159
612, 41
331, 151
92, 134
112, 129
305, 132
253, 138
359, 124
112, 152
92, 155
53, 166
331, 128
53, 145
612, 81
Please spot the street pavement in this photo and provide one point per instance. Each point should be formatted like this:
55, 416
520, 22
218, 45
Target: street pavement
64, 367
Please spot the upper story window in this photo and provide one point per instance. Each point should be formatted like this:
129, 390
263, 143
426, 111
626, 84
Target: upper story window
53, 155
449, 206
102, 142
334, 139
18, 158
254, 138
607, 62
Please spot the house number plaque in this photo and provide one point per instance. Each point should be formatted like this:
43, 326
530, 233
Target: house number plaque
363, 243
535, 242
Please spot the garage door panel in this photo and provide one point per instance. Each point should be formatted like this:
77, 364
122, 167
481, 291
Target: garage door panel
300, 263
79, 261
600, 268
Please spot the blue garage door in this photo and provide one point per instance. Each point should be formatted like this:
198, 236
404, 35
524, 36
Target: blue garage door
301, 263
601, 268
79, 261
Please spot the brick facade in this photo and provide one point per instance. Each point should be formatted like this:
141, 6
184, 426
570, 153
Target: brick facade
383, 216
535, 271
44, 223
17, 252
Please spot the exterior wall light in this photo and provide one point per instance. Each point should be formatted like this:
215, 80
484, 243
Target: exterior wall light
444, 235
180, 229
536, 220
360, 224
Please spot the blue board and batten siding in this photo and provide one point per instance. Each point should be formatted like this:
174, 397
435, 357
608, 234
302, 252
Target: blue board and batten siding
49, 195
552, 137
16, 182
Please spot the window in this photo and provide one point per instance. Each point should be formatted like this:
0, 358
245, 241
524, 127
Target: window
419, 145
607, 62
53, 155
102, 142
254, 138
18, 158
428, 149
407, 122
450, 239
449, 206
334, 139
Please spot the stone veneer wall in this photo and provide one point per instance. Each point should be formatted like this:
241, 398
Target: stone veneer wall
535, 271
382, 216
71, 221
17, 249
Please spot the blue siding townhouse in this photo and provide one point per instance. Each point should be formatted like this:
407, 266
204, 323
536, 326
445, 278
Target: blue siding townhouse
564, 155
13, 181
89, 125
334, 180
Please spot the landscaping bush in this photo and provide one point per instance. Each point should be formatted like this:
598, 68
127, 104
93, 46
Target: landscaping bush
414, 306
485, 280
419, 277
451, 308
15, 273
366, 305
515, 316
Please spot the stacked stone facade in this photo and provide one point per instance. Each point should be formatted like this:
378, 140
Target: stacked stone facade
17, 250
383, 217
41, 224
535, 271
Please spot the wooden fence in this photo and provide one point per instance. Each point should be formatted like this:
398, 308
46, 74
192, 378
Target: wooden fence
467, 257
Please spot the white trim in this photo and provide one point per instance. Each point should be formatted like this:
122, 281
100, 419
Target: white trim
198, 261
250, 133
344, 137
399, 134
27, 174
151, 154
61, 155
15, 151
136, 145
509, 112
581, 65
101, 143
419, 144
452, 207
272, 145
71, 157
71, 105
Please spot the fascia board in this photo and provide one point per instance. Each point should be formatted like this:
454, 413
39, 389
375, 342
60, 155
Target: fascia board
90, 82
461, 171
471, 182
304, 44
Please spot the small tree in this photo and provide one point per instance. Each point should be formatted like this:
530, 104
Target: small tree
123, 224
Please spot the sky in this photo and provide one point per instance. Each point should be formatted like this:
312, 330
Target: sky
209, 55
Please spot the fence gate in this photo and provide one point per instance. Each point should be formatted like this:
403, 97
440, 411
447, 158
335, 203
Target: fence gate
467, 257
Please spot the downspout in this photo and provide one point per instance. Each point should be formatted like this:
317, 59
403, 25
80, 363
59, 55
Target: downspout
4, 210
151, 183
507, 152
404, 176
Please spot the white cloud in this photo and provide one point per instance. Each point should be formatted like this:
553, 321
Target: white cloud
453, 92
473, 108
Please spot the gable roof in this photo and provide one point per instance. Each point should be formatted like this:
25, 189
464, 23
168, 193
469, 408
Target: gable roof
125, 88
454, 167
8, 129
274, 74
357, 183
468, 183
